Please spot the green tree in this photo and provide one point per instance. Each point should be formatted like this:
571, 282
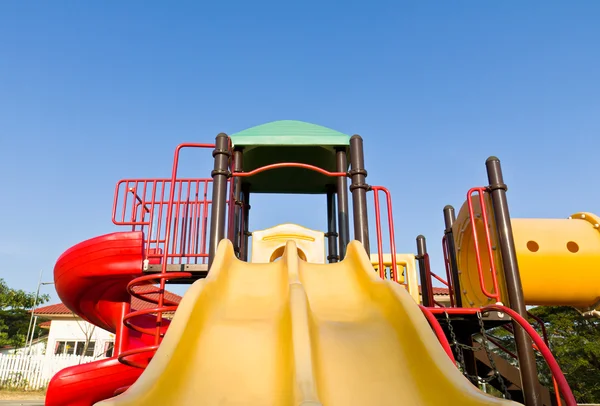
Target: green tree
15, 306
575, 343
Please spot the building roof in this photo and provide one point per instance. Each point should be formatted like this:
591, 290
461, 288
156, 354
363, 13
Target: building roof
438, 291
60, 309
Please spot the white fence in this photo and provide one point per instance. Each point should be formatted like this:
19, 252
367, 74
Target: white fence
34, 371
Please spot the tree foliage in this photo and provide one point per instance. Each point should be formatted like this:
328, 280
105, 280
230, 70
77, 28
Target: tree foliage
14, 314
575, 343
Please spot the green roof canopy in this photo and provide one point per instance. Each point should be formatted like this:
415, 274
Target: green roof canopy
289, 141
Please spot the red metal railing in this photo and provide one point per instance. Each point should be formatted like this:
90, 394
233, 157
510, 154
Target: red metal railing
540, 323
439, 332
173, 215
427, 281
429, 274
562, 385
288, 165
143, 205
481, 192
390, 218
449, 284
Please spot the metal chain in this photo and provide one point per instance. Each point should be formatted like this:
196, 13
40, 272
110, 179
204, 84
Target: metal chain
485, 344
489, 355
459, 347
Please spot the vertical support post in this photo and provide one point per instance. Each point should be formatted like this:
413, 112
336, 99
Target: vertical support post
421, 252
245, 226
359, 189
237, 194
342, 203
527, 366
449, 219
331, 227
122, 333
219, 174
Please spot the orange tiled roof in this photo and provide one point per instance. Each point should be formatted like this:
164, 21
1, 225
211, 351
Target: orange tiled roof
136, 304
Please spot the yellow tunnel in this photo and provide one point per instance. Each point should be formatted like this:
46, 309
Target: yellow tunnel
559, 259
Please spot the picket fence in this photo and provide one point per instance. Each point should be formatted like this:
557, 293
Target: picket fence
34, 372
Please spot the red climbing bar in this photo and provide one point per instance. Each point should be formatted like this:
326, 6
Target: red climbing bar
481, 191
390, 218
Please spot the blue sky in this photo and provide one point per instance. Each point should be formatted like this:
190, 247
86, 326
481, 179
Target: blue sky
94, 92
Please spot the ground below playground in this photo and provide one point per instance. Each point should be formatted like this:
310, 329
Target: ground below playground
17, 398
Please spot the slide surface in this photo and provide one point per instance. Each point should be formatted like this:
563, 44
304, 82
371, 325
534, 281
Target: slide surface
295, 333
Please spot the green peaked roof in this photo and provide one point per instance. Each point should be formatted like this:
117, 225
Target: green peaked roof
289, 133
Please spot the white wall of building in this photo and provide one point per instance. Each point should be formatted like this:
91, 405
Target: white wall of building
64, 334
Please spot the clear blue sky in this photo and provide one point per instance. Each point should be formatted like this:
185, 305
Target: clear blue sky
91, 93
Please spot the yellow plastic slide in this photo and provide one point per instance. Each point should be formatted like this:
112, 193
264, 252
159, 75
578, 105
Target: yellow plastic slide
296, 333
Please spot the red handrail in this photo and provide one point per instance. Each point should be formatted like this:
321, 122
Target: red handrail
428, 275
394, 272
561, 381
439, 332
547, 341
481, 191
133, 357
449, 284
288, 165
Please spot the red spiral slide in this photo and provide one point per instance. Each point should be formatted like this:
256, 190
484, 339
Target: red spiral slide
91, 279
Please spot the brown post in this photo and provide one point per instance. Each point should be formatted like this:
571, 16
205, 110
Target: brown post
342, 203
359, 189
219, 194
527, 366
331, 228
238, 157
421, 252
245, 226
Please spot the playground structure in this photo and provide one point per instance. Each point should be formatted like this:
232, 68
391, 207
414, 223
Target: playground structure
289, 315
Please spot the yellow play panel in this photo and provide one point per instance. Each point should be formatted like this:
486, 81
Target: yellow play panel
296, 333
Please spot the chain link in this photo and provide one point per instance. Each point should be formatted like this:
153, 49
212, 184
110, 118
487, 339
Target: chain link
460, 348
490, 357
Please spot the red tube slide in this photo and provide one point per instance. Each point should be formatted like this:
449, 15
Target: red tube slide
91, 279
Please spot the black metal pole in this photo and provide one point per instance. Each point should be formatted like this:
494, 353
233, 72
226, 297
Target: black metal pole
421, 251
246, 223
238, 157
342, 203
359, 189
527, 366
219, 194
331, 227
449, 219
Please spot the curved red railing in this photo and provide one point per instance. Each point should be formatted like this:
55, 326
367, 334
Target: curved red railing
289, 165
390, 217
439, 332
481, 191
163, 305
561, 381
